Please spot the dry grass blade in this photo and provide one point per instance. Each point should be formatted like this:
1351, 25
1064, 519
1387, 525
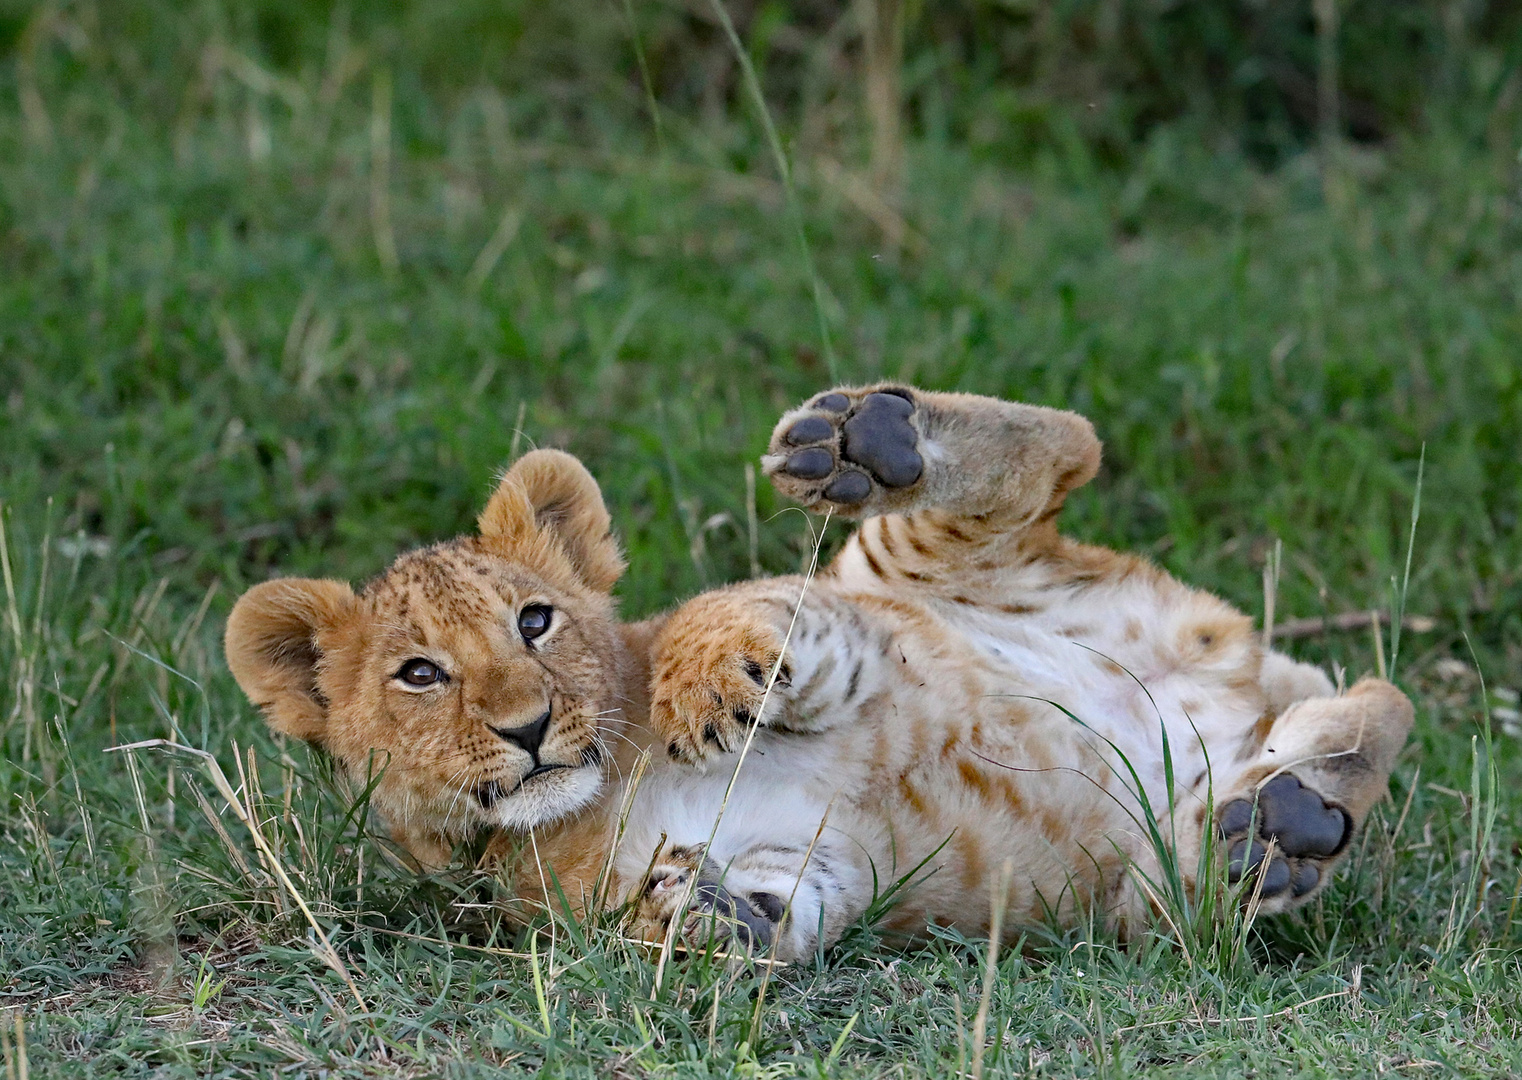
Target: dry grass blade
771, 677
215, 821
1271, 590
679, 950
787, 914
380, 173
501, 239
1204, 1021
16, 1063
771, 680
39, 126
604, 883
225, 789
485, 950
869, 200
12, 611
784, 170
998, 901
883, 57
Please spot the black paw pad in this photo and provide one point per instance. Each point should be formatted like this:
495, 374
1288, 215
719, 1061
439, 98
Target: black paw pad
833, 403
736, 920
814, 463
1235, 817
881, 438
1300, 820
768, 905
1275, 878
1307, 877
1245, 856
848, 487
810, 429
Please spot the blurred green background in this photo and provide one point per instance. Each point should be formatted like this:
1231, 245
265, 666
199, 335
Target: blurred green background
279, 277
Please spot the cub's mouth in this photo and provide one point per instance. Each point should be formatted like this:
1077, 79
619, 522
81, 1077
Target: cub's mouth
550, 790
488, 793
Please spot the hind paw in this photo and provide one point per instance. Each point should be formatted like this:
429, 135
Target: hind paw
1306, 832
847, 447
713, 915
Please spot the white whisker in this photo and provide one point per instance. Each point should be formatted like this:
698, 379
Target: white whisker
455, 801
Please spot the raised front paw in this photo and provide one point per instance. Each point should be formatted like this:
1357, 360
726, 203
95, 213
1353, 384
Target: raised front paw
1306, 832
845, 447
710, 679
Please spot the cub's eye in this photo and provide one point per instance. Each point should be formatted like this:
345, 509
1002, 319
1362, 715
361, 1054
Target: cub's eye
420, 672
534, 620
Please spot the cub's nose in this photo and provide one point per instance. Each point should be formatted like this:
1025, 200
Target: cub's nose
529, 736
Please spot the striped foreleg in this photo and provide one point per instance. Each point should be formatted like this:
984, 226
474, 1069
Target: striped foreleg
768, 652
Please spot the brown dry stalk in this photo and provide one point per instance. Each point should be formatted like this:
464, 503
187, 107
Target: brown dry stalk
1350, 620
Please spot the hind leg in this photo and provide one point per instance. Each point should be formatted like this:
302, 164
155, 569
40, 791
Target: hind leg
945, 474
1290, 813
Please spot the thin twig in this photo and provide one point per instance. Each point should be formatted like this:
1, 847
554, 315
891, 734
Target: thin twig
1350, 620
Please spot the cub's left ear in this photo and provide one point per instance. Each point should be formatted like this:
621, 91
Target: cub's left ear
548, 497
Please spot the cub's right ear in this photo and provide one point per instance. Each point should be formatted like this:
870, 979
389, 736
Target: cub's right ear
274, 648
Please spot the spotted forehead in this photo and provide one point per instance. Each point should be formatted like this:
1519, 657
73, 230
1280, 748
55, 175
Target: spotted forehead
448, 586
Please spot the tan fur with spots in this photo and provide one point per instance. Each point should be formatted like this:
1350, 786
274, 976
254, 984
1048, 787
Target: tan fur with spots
971, 685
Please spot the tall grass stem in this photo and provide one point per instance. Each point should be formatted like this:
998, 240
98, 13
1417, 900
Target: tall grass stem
785, 171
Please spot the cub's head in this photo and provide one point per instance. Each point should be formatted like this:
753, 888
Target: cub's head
477, 678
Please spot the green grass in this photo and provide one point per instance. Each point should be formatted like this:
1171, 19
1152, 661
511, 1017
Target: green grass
213, 370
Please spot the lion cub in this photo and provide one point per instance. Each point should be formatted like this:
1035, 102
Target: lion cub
961, 688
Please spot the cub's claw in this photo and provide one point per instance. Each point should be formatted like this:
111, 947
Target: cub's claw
717, 915
705, 697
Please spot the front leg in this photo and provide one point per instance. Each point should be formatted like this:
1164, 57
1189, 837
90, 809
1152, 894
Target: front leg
717, 655
714, 660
